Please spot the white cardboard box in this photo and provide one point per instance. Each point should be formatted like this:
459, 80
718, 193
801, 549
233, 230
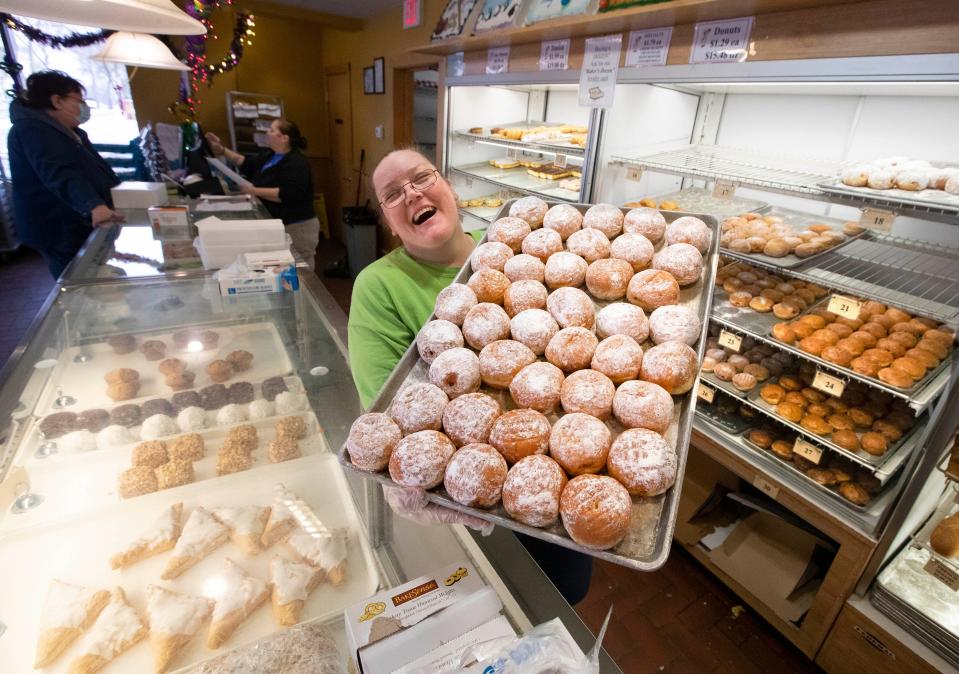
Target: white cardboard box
134, 194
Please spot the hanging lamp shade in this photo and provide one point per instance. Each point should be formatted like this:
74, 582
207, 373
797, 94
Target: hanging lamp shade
146, 16
139, 49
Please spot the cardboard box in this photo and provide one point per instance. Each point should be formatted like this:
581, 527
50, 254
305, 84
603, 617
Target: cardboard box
169, 219
258, 281
135, 194
705, 484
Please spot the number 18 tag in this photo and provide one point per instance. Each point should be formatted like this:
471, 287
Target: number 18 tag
723, 189
879, 220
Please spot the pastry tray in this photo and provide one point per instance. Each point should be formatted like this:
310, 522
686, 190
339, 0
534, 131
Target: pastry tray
84, 380
799, 222
701, 200
647, 543
949, 506
725, 386
557, 146
751, 321
939, 200
944, 467
78, 552
518, 179
78, 483
705, 411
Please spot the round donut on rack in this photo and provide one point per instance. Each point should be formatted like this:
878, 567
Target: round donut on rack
531, 209
419, 407
608, 279
475, 476
501, 360
520, 433
534, 328
588, 391
371, 441
691, 230
674, 322
564, 219
589, 244
489, 285
538, 387
619, 357
525, 267
456, 372
596, 511
571, 307
532, 490
565, 269
542, 243
642, 404
571, 349
606, 218
643, 462
621, 318
652, 288
523, 295
469, 418
682, 260
419, 459
490, 255
646, 221
485, 323
436, 337
509, 230
580, 443
634, 248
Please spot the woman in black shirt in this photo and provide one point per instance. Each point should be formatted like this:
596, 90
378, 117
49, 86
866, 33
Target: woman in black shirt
282, 179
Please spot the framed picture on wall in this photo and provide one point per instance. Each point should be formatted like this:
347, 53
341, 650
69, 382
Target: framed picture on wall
368, 80
378, 77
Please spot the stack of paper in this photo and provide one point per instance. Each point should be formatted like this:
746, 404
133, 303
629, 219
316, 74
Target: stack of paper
221, 241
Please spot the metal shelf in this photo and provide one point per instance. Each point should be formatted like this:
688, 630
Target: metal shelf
568, 149
517, 179
926, 204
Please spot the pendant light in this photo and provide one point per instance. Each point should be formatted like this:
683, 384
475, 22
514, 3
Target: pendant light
139, 50
160, 17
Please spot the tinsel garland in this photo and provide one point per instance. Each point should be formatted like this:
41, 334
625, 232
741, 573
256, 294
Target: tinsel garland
55, 41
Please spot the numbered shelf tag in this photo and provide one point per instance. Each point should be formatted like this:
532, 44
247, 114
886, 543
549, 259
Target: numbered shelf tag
706, 393
560, 160
512, 153
765, 486
829, 384
469, 182
942, 573
877, 219
634, 173
730, 340
724, 189
844, 306
807, 450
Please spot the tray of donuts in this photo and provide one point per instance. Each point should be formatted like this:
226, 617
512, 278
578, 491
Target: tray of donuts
829, 472
783, 237
729, 413
866, 424
899, 180
541, 397
739, 372
892, 347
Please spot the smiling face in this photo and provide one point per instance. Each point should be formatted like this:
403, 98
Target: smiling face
424, 221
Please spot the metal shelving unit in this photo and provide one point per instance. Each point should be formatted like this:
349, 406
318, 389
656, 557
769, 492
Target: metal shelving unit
517, 179
567, 149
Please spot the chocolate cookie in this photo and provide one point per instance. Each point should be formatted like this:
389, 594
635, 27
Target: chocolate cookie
57, 424
157, 406
272, 387
213, 397
184, 399
241, 392
126, 415
94, 420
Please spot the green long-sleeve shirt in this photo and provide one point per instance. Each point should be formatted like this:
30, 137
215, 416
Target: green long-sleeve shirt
392, 299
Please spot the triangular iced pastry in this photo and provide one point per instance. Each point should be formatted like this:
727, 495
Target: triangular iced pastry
238, 595
201, 535
67, 611
280, 524
117, 628
246, 526
160, 537
292, 584
174, 619
324, 550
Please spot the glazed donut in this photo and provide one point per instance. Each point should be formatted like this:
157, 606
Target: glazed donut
542, 243
501, 360
509, 230
564, 219
580, 443
371, 441
571, 307
489, 285
475, 475
470, 418
419, 407
523, 295
456, 372
532, 490
643, 462
537, 387
485, 323
534, 328
419, 459
571, 349
641, 404
437, 337
646, 221
520, 433
634, 248
589, 244
565, 269
606, 218
621, 318
674, 322
596, 511
589, 392
691, 230
682, 260
608, 279
618, 357
672, 365
652, 288
531, 209
490, 255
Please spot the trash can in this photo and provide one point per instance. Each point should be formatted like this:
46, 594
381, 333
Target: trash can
361, 224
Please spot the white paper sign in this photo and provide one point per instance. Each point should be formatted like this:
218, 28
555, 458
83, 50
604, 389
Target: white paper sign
597, 79
240, 181
721, 41
648, 47
497, 60
554, 55
455, 64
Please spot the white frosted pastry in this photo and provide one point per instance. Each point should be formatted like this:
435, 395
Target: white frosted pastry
78, 441
952, 185
159, 537
118, 627
289, 402
292, 584
246, 526
202, 534
280, 523
114, 436
938, 177
858, 175
912, 179
231, 414
238, 597
326, 551
174, 620
68, 610
192, 419
158, 426
261, 409
882, 179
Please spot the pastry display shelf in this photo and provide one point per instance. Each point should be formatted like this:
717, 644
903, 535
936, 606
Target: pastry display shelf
576, 152
918, 401
485, 213
949, 505
517, 179
926, 204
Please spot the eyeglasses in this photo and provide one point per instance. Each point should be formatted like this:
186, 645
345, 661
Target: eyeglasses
420, 182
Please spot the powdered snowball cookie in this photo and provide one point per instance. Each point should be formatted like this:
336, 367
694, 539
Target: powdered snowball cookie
485, 323
530, 209
520, 433
419, 407
564, 219
231, 414
635, 249
672, 365
609, 279
674, 322
470, 418
571, 307
501, 360
589, 244
571, 349
534, 328
78, 441
565, 270
525, 267
114, 436
291, 402
372, 438
691, 230
456, 372
646, 221
454, 302
158, 426
489, 285
580, 443
681, 260
261, 409
490, 255
589, 392
419, 459
618, 357
475, 476
596, 511
653, 288
542, 243
643, 462
436, 337
192, 419
621, 318
537, 387
523, 295
532, 490
642, 404
509, 230
606, 218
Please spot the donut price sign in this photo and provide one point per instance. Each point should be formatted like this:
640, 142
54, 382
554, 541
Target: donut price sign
724, 41
807, 450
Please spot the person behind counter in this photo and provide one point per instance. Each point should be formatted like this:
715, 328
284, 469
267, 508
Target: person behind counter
394, 297
61, 186
282, 178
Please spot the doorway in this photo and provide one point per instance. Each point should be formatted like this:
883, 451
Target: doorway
340, 115
415, 109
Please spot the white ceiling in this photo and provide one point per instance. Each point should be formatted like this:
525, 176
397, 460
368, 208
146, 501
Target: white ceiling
358, 9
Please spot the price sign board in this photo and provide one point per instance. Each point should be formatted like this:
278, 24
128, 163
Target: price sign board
634, 173
597, 77
942, 573
877, 219
765, 486
807, 450
724, 189
648, 47
456, 64
730, 340
829, 384
844, 306
724, 41
497, 60
554, 55
560, 160
706, 393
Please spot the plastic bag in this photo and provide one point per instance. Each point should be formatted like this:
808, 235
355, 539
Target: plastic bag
413, 504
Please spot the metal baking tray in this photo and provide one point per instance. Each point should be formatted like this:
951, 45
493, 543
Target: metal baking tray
944, 467
799, 222
948, 507
756, 322
648, 541
733, 424
938, 200
725, 386
701, 200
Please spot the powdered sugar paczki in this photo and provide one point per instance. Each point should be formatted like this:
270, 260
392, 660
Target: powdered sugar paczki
531, 491
564, 219
621, 318
454, 302
501, 360
523, 295
691, 230
436, 337
419, 460
490, 255
371, 441
672, 365
456, 372
681, 260
580, 443
475, 476
641, 404
589, 244
520, 433
646, 221
607, 218
509, 230
531, 209
588, 391
469, 418
596, 511
542, 243
633, 248
537, 386
485, 323
643, 462
674, 323
618, 357
571, 307
419, 407
524, 267
571, 348
534, 328
565, 269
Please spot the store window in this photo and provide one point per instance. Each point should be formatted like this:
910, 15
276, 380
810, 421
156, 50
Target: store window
112, 119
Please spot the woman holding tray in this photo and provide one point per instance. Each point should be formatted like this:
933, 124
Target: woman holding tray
394, 297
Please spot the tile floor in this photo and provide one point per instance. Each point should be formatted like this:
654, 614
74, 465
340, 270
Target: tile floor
679, 619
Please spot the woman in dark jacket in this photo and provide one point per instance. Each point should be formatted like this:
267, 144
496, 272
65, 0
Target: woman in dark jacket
61, 186
282, 179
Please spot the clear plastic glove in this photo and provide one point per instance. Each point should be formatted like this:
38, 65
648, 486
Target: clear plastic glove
412, 503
